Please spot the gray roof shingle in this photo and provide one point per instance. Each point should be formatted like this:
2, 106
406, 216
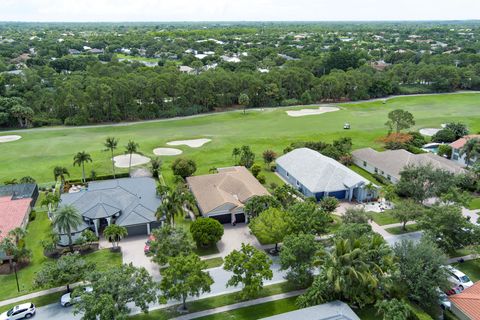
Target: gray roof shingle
319, 173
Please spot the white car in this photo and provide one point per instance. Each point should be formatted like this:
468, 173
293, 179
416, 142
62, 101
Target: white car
445, 304
66, 300
459, 278
22, 311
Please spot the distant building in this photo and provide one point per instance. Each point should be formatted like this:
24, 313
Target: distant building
318, 176
458, 145
186, 69
379, 65
74, 51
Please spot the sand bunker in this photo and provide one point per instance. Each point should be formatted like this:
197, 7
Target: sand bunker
428, 131
123, 160
167, 152
9, 138
311, 112
194, 143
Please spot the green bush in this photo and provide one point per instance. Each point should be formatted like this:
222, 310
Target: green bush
414, 149
32, 215
381, 179
418, 314
256, 170
261, 178
206, 231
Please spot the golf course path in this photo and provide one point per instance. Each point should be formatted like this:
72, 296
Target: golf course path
125, 124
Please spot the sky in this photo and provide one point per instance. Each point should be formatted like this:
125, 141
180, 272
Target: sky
237, 10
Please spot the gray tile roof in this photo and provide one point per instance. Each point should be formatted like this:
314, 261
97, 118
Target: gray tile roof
132, 200
18, 191
335, 310
393, 161
319, 173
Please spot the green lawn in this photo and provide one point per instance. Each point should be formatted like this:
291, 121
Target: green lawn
38, 231
399, 230
213, 262
383, 218
211, 303
40, 150
257, 311
475, 204
367, 175
470, 268
465, 251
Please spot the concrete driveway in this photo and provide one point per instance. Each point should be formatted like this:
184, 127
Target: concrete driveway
132, 252
234, 236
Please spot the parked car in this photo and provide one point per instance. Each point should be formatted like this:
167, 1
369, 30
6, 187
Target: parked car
66, 300
445, 304
458, 278
22, 311
146, 249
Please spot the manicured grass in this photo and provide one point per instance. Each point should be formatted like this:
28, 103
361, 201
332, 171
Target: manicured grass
470, 268
213, 262
337, 222
474, 204
465, 251
37, 231
367, 175
38, 302
399, 230
135, 58
206, 251
383, 218
256, 311
40, 150
211, 303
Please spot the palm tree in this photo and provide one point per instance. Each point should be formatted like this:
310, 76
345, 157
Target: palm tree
17, 233
155, 167
66, 220
60, 172
114, 234
131, 148
111, 144
235, 153
470, 150
172, 204
79, 160
51, 201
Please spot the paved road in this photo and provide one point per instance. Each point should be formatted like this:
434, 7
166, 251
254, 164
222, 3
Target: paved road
220, 276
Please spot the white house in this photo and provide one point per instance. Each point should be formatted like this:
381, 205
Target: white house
457, 147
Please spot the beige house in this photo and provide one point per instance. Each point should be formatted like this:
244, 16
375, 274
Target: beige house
390, 163
223, 195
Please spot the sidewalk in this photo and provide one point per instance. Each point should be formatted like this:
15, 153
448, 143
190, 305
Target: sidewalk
37, 294
465, 258
239, 305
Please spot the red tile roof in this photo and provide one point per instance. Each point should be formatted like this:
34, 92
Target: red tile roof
458, 144
12, 213
469, 301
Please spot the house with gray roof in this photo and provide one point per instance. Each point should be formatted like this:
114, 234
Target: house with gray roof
335, 310
128, 202
390, 163
316, 175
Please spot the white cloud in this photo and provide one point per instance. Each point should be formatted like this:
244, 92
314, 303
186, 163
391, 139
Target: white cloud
239, 10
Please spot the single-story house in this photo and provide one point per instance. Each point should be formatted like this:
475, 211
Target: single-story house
223, 195
316, 175
466, 305
335, 310
16, 202
390, 163
128, 202
458, 145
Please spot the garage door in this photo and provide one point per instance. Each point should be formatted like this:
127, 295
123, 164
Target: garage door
223, 218
240, 217
137, 230
338, 194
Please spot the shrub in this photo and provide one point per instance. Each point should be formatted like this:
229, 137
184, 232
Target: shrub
261, 178
183, 167
444, 135
273, 168
414, 149
256, 170
32, 215
381, 178
445, 150
329, 204
206, 231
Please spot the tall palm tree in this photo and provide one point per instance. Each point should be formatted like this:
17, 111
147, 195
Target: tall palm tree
172, 205
114, 234
17, 233
131, 148
79, 160
471, 150
155, 167
66, 220
60, 172
235, 153
111, 144
51, 201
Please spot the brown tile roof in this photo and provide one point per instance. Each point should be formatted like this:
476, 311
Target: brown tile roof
458, 144
469, 301
12, 213
393, 161
234, 185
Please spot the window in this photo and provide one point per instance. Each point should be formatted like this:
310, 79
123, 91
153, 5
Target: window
364, 163
297, 183
288, 174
